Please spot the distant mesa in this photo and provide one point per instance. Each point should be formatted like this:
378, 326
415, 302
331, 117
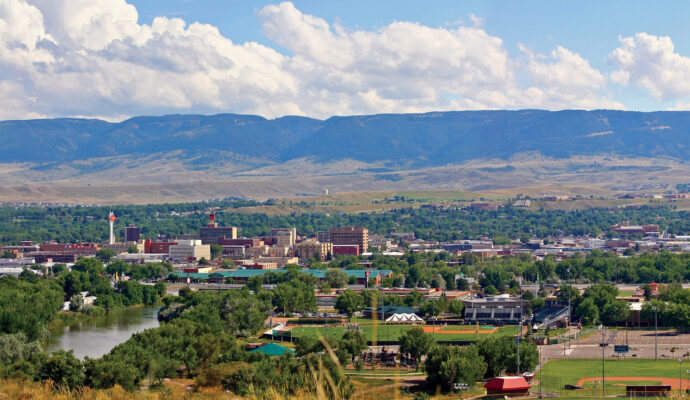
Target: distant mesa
401, 140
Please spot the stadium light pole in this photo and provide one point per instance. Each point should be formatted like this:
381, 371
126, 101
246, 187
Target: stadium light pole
570, 312
603, 362
541, 368
655, 308
680, 379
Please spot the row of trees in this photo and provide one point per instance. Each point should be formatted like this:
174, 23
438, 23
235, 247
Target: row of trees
78, 224
447, 365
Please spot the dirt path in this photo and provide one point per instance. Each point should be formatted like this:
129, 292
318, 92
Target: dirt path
673, 382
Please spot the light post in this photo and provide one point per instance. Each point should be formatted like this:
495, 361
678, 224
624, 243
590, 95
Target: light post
603, 362
570, 313
383, 310
518, 342
680, 379
519, 336
655, 308
541, 367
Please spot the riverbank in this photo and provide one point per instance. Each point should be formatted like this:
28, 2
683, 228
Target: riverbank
94, 336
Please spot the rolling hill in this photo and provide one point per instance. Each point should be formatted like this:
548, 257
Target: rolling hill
460, 150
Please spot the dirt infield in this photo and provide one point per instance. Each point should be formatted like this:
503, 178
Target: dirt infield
429, 329
673, 382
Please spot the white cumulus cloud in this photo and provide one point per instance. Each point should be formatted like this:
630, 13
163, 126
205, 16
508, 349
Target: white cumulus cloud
566, 80
650, 62
93, 57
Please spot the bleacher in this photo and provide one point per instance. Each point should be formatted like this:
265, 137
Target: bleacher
548, 315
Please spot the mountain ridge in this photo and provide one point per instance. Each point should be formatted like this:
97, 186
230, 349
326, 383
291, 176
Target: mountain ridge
185, 157
403, 140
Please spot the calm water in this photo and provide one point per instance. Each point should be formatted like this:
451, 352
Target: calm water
97, 336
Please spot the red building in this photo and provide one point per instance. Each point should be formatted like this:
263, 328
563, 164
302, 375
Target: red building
345, 250
507, 386
157, 247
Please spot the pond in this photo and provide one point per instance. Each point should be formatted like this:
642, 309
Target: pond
96, 336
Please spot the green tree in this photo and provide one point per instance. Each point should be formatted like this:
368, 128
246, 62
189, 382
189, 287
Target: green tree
104, 255
160, 288
413, 298
416, 343
348, 302
336, 278
457, 308
614, 312
64, 369
89, 265
254, 283
216, 250
463, 284
447, 365
353, 343
102, 374
433, 307
588, 311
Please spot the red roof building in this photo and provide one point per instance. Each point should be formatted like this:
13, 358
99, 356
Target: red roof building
507, 386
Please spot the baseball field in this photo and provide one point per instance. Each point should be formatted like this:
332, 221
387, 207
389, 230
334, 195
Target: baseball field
587, 373
393, 332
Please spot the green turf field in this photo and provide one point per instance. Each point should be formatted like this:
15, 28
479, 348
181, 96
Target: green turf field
557, 373
393, 332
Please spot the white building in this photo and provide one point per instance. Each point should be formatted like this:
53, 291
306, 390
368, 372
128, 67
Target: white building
189, 250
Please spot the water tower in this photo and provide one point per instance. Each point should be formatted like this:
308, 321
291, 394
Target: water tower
111, 220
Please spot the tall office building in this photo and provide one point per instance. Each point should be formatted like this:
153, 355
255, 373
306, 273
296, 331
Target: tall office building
212, 233
132, 233
350, 235
284, 236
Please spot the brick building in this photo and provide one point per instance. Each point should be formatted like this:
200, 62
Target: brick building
345, 235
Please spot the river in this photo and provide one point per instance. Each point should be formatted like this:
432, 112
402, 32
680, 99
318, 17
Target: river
96, 336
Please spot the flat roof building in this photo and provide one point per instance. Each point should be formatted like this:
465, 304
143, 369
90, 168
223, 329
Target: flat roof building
312, 248
189, 250
212, 233
344, 235
132, 233
284, 236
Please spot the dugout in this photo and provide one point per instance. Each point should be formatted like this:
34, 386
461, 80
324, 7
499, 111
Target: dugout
647, 390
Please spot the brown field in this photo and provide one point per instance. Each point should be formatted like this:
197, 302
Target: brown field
163, 178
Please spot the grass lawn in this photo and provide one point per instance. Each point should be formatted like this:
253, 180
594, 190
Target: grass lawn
558, 373
393, 332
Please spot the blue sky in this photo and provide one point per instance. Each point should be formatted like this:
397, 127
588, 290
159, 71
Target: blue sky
322, 58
